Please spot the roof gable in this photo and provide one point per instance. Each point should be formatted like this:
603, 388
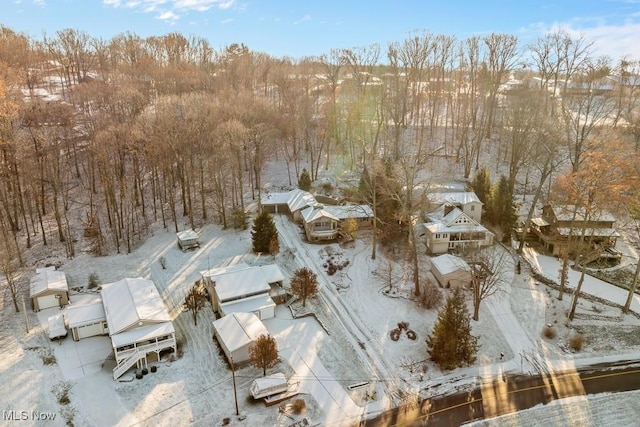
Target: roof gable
239, 329
48, 279
131, 302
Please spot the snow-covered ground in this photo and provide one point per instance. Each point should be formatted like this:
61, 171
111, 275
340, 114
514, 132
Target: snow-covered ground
346, 343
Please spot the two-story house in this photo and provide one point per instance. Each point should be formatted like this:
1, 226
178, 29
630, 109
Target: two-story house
566, 229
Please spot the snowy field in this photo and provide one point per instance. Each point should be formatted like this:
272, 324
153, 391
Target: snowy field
347, 342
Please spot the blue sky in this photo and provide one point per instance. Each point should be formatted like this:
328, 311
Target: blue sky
299, 28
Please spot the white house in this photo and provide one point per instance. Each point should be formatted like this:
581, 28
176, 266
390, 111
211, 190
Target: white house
138, 321
451, 229
451, 271
467, 201
319, 224
48, 288
236, 332
244, 289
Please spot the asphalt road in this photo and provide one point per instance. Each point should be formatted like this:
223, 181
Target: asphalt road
507, 395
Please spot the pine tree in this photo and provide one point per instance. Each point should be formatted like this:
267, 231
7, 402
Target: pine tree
451, 344
481, 185
304, 182
263, 233
501, 210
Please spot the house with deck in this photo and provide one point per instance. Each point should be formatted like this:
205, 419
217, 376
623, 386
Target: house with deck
450, 229
569, 229
319, 224
138, 321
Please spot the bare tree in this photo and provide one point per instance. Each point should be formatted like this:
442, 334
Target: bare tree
195, 301
263, 353
489, 274
304, 284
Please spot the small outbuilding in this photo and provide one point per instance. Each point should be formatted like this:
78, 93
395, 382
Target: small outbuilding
236, 332
49, 289
451, 271
188, 239
56, 326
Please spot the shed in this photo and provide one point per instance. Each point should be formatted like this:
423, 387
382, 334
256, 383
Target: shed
451, 271
49, 289
87, 318
236, 332
188, 239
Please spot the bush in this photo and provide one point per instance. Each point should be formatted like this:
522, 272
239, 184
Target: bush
549, 332
154, 368
61, 391
431, 296
576, 342
298, 406
395, 334
93, 281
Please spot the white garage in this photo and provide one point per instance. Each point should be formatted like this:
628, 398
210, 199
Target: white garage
48, 288
235, 334
87, 318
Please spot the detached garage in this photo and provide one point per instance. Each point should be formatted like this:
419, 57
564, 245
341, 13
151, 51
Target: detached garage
49, 289
451, 271
236, 332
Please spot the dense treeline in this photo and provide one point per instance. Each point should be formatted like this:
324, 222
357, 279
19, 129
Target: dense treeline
101, 138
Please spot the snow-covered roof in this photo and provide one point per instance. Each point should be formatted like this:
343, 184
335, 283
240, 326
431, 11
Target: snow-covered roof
131, 301
456, 198
454, 221
274, 199
239, 329
248, 305
447, 263
56, 326
315, 212
566, 212
85, 314
48, 279
141, 334
187, 235
299, 199
539, 222
296, 199
349, 211
595, 232
235, 281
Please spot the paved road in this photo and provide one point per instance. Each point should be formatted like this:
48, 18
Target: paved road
508, 395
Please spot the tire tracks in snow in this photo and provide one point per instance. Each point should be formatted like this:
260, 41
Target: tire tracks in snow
350, 323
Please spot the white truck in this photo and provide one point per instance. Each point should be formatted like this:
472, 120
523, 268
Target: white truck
57, 328
269, 385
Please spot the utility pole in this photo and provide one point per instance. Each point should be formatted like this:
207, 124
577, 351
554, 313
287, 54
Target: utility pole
233, 375
26, 317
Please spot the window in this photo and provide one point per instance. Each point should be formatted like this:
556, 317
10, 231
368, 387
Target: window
473, 208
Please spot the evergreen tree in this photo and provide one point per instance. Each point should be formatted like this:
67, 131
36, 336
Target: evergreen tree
481, 185
501, 210
364, 186
304, 182
263, 233
451, 344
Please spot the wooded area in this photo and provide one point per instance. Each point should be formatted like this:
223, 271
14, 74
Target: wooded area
101, 138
